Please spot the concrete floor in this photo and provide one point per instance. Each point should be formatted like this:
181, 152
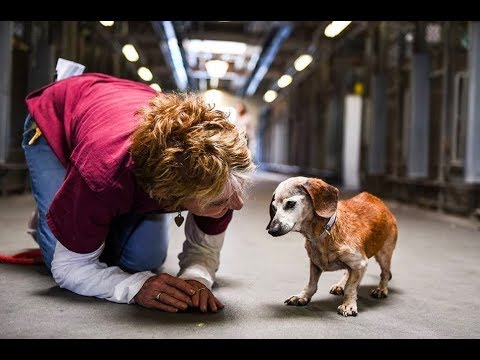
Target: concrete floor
433, 294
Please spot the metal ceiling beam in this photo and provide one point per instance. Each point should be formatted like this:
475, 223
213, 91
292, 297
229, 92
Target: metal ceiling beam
270, 49
174, 54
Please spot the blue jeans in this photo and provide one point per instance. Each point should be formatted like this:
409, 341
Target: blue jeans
136, 242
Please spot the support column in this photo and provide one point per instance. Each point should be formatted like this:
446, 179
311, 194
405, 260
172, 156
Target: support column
6, 39
472, 151
42, 62
376, 149
417, 162
352, 126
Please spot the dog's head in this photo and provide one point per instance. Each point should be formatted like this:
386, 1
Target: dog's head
299, 199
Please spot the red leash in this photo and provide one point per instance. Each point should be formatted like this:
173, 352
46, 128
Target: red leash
27, 257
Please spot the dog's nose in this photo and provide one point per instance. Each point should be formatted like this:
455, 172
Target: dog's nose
274, 230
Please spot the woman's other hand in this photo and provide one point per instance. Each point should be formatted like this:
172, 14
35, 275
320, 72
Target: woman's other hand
166, 292
204, 298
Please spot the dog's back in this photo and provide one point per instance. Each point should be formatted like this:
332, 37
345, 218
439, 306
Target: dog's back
370, 221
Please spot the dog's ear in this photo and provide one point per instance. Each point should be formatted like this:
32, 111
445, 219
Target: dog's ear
323, 195
272, 211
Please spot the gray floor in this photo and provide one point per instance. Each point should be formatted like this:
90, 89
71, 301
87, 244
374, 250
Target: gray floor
433, 294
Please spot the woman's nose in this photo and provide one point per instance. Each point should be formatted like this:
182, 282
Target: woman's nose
236, 203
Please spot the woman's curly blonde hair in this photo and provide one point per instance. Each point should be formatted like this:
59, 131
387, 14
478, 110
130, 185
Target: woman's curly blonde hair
183, 149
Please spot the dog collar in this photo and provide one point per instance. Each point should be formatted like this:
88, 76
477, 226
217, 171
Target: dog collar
328, 227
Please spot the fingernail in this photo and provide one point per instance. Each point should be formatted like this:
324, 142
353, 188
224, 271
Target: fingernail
192, 291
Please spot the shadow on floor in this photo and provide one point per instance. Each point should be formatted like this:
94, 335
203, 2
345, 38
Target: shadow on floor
327, 305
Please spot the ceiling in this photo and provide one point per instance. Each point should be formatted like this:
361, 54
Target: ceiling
267, 50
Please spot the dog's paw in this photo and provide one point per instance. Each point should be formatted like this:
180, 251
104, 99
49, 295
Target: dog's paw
349, 309
296, 300
379, 293
336, 290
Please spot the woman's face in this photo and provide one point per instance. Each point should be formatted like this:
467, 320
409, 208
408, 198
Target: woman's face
218, 207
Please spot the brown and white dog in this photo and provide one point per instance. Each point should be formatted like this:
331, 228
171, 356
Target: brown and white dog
338, 235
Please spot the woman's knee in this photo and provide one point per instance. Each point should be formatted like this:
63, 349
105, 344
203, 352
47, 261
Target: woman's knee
144, 263
146, 248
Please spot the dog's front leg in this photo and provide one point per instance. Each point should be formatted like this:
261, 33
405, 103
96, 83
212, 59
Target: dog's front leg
349, 306
306, 295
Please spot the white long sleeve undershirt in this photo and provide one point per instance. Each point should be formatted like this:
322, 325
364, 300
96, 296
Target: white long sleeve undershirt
84, 274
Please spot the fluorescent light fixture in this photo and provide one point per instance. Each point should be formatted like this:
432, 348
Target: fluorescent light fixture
270, 95
130, 53
155, 86
145, 73
335, 28
215, 46
302, 62
107, 23
216, 68
284, 81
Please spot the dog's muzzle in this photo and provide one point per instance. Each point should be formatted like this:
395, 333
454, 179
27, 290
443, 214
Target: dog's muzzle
275, 228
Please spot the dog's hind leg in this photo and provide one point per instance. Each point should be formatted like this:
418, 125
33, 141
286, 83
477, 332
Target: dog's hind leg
337, 289
384, 259
306, 295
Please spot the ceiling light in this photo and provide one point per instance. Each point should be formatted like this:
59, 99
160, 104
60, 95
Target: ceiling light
302, 62
107, 23
335, 28
145, 73
216, 68
215, 46
130, 53
284, 81
270, 95
155, 86
409, 37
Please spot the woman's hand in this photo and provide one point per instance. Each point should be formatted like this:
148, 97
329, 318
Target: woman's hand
203, 298
166, 292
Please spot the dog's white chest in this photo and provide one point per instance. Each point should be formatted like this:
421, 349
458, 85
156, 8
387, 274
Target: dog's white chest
322, 256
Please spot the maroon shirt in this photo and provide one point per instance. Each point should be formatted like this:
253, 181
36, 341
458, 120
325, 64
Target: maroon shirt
87, 120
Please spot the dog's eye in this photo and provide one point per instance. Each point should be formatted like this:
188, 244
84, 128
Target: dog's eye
289, 205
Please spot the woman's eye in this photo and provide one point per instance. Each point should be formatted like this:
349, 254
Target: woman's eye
289, 205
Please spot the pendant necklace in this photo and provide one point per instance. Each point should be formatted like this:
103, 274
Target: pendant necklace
179, 219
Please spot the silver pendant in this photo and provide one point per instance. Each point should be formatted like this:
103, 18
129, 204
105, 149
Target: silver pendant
179, 219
